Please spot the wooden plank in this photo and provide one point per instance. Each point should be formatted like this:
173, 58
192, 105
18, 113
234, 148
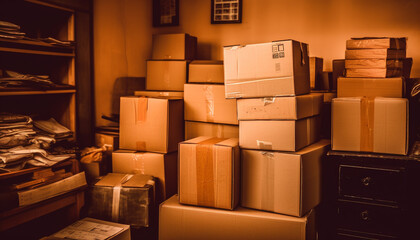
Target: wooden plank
14, 93
50, 5
18, 50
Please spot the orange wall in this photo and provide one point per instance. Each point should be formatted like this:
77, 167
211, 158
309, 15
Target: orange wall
123, 31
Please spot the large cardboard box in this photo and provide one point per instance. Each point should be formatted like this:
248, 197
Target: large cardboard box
123, 198
90, 228
209, 172
206, 71
279, 135
295, 107
161, 166
316, 66
178, 46
279, 68
375, 53
385, 42
370, 125
197, 129
338, 71
151, 124
207, 103
370, 87
283, 182
373, 72
166, 75
178, 221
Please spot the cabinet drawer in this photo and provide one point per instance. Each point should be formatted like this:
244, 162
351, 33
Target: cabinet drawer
370, 218
371, 183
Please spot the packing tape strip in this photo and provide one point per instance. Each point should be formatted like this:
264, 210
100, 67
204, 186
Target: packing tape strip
141, 145
138, 159
140, 109
267, 183
268, 100
209, 98
367, 124
116, 194
264, 145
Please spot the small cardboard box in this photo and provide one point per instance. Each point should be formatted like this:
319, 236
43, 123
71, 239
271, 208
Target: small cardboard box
279, 68
123, 198
375, 53
111, 141
291, 108
370, 125
316, 66
370, 87
373, 63
196, 129
178, 221
206, 71
209, 172
161, 166
90, 228
279, 135
167, 75
151, 124
207, 103
179, 46
339, 70
283, 182
385, 42
373, 72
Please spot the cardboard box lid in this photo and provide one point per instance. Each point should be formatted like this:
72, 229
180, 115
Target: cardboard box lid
159, 94
125, 180
376, 42
295, 107
228, 142
242, 223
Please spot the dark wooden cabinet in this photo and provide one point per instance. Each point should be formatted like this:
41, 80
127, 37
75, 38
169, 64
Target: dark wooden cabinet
370, 196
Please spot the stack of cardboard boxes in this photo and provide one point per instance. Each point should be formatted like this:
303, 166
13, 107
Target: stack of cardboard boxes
280, 166
370, 113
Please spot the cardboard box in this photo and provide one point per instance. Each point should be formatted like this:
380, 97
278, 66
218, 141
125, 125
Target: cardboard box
209, 172
279, 68
385, 42
123, 198
161, 166
180, 46
338, 71
316, 66
197, 129
291, 108
279, 135
370, 87
151, 124
370, 125
373, 72
178, 221
90, 228
375, 53
168, 75
158, 94
283, 182
111, 141
201, 71
374, 63
207, 103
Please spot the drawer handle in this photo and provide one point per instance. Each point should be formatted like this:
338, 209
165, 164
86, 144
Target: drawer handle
366, 181
365, 215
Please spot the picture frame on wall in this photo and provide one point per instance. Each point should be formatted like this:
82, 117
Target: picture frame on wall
165, 13
226, 11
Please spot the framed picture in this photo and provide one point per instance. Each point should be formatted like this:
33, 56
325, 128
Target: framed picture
165, 13
226, 11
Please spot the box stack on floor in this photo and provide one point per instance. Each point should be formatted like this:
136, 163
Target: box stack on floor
207, 111
370, 113
279, 171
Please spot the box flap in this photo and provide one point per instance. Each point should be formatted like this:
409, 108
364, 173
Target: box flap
231, 142
113, 179
139, 180
196, 140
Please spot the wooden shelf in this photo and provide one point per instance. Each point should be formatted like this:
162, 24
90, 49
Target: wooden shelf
5, 175
29, 92
35, 47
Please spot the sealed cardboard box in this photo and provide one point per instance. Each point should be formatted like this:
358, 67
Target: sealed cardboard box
279, 68
370, 125
178, 221
196, 129
338, 71
385, 42
279, 135
151, 124
283, 182
374, 63
370, 87
161, 166
207, 103
123, 198
157, 94
90, 228
167, 75
375, 53
316, 66
180, 46
206, 71
373, 72
209, 172
295, 107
